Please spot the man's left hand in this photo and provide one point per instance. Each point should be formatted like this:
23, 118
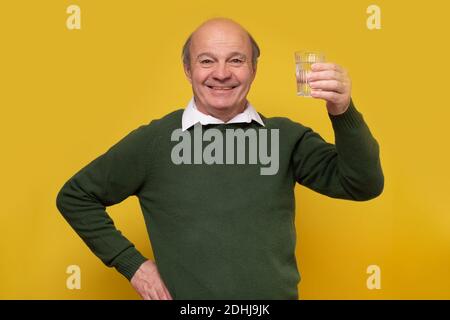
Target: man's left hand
330, 82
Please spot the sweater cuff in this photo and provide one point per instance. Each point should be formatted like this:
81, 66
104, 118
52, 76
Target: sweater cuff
128, 262
350, 119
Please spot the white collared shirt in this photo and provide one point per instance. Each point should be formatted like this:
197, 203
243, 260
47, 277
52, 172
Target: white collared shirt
191, 115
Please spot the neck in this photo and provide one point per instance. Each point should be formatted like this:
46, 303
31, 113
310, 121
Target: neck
224, 115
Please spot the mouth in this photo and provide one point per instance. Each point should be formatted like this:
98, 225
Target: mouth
221, 88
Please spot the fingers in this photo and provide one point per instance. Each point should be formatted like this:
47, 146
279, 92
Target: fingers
330, 96
328, 85
146, 293
167, 293
151, 294
148, 283
330, 82
322, 66
163, 293
325, 75
329, 77
327, 71
157, 292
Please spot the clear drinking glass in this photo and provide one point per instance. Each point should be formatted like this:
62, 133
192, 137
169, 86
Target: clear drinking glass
303, 62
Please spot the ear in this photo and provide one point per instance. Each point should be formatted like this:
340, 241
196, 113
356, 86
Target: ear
187, 72
255, 67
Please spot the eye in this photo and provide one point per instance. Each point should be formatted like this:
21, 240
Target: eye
236, 60
206, 61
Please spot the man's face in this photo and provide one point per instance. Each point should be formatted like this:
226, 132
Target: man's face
221, 70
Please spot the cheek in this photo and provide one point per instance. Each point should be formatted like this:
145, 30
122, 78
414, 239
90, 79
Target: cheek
244, 74
245, 78
199, 78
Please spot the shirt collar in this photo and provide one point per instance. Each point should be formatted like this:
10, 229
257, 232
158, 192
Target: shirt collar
191, 115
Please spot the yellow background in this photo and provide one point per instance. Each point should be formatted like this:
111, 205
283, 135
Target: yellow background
66, 96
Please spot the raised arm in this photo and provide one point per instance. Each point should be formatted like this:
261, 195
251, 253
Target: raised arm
351, 168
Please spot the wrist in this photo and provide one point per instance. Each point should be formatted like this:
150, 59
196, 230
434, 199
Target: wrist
338, 110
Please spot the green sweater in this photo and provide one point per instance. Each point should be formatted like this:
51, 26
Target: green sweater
218, 231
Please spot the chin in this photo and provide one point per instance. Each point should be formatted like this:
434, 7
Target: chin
221, 105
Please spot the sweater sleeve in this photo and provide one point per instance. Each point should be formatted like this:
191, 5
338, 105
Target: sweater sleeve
109, 179
350, 169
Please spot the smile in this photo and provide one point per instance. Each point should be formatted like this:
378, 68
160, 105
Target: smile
222, 88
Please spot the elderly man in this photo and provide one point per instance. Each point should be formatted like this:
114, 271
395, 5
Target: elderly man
220, 227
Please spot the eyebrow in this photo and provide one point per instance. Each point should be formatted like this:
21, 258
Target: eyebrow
234, 53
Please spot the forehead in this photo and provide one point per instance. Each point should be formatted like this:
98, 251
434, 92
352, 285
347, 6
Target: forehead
220, 39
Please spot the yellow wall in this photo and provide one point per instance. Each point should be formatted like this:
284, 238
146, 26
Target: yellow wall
68, 95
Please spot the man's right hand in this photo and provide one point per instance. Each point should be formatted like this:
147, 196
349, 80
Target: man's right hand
148, 283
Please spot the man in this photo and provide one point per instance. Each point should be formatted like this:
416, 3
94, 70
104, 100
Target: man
221, 229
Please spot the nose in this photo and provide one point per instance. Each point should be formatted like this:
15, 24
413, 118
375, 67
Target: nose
221, 72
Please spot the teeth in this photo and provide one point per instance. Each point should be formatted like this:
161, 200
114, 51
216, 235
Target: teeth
221, 88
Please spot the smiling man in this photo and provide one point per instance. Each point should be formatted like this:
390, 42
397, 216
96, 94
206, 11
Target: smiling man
219, 228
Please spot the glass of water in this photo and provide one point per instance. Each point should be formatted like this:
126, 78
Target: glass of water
303, 62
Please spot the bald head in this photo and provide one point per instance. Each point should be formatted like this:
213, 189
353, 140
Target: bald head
220, 28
